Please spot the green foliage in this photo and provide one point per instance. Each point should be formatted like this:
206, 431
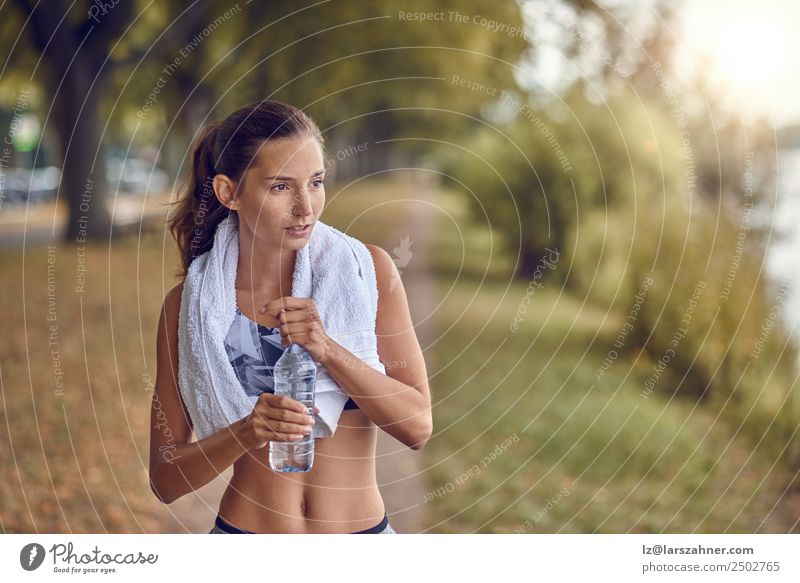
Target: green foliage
374, 71
535, 178
737, 353
710, 324
621, 214
363, 68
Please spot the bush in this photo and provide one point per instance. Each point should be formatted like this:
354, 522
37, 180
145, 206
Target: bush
535, 176
710, 327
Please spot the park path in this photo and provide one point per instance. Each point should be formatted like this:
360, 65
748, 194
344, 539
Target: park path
45, 222
398, 468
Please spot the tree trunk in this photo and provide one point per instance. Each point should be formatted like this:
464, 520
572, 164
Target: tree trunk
72, 52
529, 260
84, 186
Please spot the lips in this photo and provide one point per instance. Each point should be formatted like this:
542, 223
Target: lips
300, 230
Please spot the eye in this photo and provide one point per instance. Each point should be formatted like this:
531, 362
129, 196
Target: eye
275, 187
319, 182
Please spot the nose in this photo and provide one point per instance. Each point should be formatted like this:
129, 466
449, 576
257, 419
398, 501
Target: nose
302, 205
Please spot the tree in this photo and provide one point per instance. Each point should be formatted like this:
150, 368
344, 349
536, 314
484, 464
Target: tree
364, 71
538, 175
78, 46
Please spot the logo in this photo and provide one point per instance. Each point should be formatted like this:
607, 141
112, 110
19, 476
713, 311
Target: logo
31, 556
402, 256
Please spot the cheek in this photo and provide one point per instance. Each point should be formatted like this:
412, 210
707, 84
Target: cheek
319, 202
264, 216
270, 210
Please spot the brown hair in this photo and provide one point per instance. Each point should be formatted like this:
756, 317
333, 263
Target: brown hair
228, 147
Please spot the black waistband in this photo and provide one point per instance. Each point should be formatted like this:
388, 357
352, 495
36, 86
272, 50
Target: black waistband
230, 529
380, 527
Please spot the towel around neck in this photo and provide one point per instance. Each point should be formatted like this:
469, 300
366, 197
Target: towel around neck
334, 269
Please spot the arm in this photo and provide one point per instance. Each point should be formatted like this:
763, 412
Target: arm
398, 402
176, 466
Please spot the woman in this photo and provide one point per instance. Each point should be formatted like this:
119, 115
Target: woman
266, 163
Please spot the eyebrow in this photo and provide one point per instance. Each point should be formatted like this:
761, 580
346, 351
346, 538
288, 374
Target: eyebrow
317, 173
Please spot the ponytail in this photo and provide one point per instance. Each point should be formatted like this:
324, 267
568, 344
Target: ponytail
199, 212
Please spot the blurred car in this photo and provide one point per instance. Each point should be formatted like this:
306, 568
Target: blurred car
125, 176
135, 176
26, 185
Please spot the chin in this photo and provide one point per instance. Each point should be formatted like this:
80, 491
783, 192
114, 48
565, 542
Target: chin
295, 242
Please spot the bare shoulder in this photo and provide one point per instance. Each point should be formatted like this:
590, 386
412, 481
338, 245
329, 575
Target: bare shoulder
167, 344
169, 319
398, 346
385, 269
172, 301
168, 403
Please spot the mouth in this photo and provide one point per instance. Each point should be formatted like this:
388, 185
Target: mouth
298, 230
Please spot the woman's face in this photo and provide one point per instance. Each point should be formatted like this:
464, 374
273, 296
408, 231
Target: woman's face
283, 188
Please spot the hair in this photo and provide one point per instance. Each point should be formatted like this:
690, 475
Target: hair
228, 147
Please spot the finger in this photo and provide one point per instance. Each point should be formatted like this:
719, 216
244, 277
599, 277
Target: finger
300, 338
285, 402
297, 334
290, 428
293, 316
296, 328
288, 437
285, 303
276, 414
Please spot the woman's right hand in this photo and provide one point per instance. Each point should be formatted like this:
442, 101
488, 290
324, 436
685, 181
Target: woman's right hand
276, 418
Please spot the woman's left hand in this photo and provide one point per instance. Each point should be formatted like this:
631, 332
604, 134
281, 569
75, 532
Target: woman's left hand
300, 324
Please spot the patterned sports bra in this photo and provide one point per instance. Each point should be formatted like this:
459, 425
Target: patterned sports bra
253, 350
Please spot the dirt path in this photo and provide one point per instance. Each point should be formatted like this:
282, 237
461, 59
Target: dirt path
399, 472
400, 468
43, 223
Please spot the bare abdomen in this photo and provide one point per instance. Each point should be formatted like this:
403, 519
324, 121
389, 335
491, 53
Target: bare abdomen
340, 493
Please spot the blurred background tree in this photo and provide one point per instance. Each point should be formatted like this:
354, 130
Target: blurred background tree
361, 56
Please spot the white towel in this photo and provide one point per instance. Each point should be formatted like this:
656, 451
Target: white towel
333, 268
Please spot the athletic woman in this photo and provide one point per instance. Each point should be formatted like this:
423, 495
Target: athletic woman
266, 163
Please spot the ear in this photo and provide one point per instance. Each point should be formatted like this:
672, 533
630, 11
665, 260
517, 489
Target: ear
225, 190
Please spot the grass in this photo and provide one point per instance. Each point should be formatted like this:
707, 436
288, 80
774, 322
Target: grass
590, 456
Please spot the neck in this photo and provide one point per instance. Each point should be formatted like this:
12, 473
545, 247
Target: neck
264, 269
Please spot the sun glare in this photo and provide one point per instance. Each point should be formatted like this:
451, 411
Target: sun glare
751, 52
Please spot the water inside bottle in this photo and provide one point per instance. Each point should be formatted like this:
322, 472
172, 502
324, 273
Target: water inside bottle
295, 375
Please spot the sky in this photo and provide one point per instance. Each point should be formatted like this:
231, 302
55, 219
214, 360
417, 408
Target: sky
751, 48
755, 49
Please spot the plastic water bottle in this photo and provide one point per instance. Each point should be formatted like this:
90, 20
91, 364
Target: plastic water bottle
295, 375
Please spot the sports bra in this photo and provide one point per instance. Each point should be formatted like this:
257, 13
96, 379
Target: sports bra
253, 350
